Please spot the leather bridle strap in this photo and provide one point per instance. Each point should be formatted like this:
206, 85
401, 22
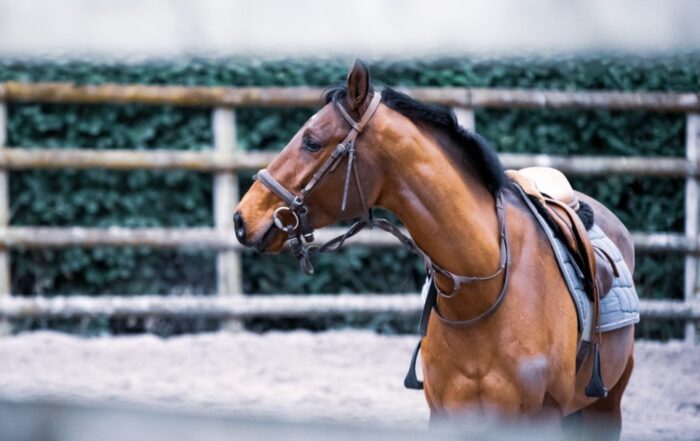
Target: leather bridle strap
274, 186
504, 256
411, 380
296, 206
346, 147
431, 267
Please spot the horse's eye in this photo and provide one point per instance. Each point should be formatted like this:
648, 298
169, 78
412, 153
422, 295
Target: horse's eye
311, 145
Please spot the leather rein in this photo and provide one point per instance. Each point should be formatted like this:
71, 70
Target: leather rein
301, 230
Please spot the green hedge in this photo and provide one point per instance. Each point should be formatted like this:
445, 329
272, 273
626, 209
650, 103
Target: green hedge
143, 198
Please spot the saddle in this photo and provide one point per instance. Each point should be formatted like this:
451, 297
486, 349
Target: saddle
557, 203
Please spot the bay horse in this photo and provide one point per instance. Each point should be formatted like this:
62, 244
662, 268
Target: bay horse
443, 183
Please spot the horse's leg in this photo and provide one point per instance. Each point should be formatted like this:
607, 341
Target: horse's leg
435, 416
602, 420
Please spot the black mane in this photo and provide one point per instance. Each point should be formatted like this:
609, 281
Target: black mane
478, 152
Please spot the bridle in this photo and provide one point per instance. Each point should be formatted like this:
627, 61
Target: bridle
301, 226
301, 230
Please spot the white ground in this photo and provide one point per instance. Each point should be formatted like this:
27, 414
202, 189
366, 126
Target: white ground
349, 375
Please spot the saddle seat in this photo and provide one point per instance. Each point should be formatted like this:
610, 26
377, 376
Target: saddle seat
551, 182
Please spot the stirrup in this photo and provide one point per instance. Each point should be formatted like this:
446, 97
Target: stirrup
596, 387
411, 381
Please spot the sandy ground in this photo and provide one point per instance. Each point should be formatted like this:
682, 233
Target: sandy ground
348, 376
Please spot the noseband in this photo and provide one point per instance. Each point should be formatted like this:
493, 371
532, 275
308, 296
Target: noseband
301, 226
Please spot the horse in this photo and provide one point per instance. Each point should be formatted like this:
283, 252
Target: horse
443, 182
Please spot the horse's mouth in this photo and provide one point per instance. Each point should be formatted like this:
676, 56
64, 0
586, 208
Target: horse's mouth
271, 242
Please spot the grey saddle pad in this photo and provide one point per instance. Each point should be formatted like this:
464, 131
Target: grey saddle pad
620, 307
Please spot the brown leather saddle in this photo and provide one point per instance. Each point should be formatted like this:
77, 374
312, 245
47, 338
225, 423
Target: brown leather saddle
559, 205
557, 202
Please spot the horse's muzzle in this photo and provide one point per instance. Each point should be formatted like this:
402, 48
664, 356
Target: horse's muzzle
239, 227
261, 245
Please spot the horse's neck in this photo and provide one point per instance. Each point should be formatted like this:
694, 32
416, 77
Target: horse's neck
451, 216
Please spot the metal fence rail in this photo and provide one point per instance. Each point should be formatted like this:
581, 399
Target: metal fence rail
224, 161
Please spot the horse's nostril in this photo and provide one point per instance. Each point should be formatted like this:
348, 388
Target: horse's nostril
239, 226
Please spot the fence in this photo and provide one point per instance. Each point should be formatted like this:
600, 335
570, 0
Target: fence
224, 161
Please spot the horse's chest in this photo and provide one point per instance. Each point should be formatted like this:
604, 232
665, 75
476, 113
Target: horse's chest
463, 376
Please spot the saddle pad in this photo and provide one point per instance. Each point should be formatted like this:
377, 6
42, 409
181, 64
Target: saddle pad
620, 307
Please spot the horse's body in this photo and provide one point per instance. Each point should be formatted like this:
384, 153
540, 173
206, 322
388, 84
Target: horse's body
521, 360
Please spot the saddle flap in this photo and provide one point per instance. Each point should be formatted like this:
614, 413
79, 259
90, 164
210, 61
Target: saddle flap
606, 271
575, 236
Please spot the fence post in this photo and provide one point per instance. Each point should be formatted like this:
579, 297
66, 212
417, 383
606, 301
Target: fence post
226, 194
5, 285
465, 117
692, 217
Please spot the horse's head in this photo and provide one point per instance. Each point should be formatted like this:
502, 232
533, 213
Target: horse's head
328, 160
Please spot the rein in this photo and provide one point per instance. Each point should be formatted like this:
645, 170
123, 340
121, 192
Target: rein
301, 229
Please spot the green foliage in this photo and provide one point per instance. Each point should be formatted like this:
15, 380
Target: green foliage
106, 198
142, 198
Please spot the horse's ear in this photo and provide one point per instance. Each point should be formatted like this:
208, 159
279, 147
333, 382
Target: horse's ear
358, 84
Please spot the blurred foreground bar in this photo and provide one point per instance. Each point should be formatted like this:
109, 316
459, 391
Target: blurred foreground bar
61, 421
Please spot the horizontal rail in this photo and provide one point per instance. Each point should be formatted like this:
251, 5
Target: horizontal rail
209, 160
210, 306
670, 309
62, 237
309, 96
210, 238
201, 161
664, 242
605, 165
204, 238
239, 307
